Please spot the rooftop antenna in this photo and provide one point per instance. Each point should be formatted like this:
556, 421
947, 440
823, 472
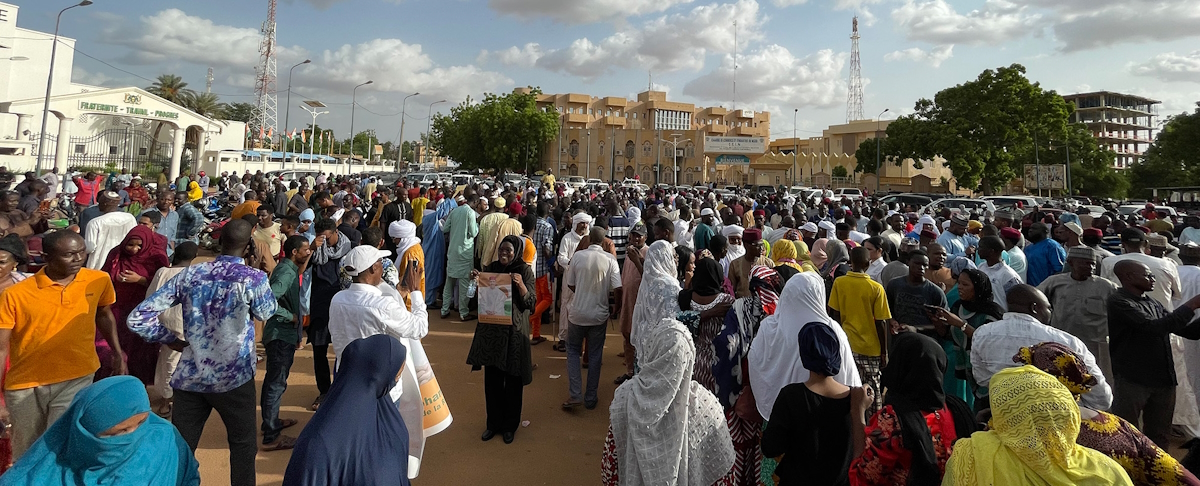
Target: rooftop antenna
209, 80
854, 101
650, 83
735, 64
266, 110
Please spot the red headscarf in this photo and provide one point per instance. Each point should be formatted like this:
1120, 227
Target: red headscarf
145, 262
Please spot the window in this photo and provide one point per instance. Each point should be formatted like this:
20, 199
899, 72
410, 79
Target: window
112, 150
142, 151
79, 149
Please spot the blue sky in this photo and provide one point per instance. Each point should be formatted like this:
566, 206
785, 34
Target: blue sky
793, 54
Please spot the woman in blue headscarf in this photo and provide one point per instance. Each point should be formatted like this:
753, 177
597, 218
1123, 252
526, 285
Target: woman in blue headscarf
358, 435
307, 221
108, 436
433, 243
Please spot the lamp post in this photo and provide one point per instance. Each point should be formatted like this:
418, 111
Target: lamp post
353, 98
795, 144
400, 142
877, 120
311, 107
674, 141
288, 110
428, 122
49, 85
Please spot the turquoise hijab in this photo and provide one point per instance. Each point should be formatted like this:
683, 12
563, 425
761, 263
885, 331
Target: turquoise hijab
72, 453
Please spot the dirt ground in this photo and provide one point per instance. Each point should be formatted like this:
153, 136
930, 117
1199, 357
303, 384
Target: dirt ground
558, 447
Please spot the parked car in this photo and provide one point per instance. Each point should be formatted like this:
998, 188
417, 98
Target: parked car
905, 199
848, 193
956, 204
576, 182
768, 190
1011, 201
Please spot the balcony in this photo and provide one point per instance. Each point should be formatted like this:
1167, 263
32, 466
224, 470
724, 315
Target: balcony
577, 118
744, 131
716, 129
614, 121
615, 101
581, 99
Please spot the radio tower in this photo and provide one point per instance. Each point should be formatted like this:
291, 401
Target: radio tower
854, 102
208, 81
266, 111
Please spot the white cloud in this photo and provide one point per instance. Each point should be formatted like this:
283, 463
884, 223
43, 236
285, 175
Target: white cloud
668, 43
773, 75
788, 3
319, 4
396, 67
1170, 67
1103, 23
581, 11
933, 57
936, 21
172, 35
83, 76
526, 56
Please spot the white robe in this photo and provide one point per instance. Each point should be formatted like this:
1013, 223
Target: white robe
104, 233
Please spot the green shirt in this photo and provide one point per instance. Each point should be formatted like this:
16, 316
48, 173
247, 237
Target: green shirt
285, 284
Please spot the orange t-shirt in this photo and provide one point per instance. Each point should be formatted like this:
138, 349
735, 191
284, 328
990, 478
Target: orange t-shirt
530, 253
248, 207
53, 327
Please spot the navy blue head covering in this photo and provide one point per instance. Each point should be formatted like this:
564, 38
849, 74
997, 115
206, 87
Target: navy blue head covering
820, 351
357, 436
72, 452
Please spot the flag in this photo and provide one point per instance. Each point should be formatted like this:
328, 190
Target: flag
303, 138
261, 133
247, 131
270, 134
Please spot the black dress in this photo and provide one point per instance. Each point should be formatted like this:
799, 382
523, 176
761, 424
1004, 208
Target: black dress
812, 433
504, 354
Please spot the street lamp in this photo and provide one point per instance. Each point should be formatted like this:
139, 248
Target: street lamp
674, 141
311, 108
288, 110
428, 122
353, 97
877, 120
49, 85
400, 143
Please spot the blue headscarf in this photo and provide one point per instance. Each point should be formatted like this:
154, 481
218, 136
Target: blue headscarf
72, 453
309, 215
820, 351
357, 436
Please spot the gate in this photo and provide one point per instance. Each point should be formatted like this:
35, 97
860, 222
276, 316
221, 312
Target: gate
114, 149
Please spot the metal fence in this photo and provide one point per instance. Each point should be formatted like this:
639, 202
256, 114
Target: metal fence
114, 149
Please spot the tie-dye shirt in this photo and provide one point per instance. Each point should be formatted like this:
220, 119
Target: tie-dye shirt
218, 298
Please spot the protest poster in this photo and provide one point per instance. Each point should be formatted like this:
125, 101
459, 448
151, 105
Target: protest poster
495, 298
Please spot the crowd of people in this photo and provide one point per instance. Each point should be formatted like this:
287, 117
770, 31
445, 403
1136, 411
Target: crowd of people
765, 339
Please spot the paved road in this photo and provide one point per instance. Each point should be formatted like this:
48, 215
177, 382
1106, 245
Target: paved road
557, 447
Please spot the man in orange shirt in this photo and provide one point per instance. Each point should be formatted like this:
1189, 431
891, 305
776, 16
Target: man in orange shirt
48, 329
248, 207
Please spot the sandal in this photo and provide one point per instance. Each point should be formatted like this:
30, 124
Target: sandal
622, 379
285, 423
537, 340
317, 403
284, 442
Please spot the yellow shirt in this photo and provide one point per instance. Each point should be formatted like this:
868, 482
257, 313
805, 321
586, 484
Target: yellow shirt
861, 301
53, 327
548, 179
418, 206
270, 236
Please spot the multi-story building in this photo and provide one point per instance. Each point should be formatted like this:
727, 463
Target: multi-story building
612, 138
1123, 123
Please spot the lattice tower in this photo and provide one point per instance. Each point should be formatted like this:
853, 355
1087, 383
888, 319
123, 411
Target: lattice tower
266, 110
854, 100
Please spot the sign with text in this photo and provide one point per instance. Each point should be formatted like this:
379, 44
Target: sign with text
736, 145
733, 159
1049, 177
127, 110
495, 298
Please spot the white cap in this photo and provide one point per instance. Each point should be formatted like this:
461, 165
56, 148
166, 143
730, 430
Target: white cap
810, 227
706, 212
361, 258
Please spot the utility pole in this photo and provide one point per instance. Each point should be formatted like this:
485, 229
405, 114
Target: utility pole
675, 152
877, 121
795, 144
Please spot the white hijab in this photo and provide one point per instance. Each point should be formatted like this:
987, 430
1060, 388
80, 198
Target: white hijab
775, 355
927, 220
668, 429
658, 295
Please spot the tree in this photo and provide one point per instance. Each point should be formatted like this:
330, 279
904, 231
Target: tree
1174, 157
984, 129
839, 172
1092, 172
242, 112
171, 88
500, 132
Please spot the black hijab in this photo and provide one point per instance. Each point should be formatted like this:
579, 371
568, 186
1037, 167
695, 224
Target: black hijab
517, 265
706, 281
913, 379
984, 301
358, 435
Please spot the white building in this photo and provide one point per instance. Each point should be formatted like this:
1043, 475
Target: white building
92, 126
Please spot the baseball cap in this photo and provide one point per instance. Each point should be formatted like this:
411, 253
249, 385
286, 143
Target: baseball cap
1132, 235
362, 257
639, 228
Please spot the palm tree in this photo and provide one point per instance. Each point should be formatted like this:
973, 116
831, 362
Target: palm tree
204, 104
171, 88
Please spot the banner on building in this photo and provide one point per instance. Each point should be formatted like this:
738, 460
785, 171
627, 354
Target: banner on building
732, 159
736, 145
1045, 176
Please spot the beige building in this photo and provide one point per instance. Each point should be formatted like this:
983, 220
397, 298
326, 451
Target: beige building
1120, 122
613, 138
812, 161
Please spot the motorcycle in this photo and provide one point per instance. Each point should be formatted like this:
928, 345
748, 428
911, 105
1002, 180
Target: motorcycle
210, 235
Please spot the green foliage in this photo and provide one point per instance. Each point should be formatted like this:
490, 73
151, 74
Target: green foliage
984, 129
1091, 165
1174, 157
499, 132
238, 112
839, 171
170, 87
866, 156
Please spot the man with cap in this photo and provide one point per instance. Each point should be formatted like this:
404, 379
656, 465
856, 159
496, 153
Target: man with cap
363, 310
106, 231
1079, 301
1068, 234
581, 224
631, 281
739, 269
826, 229
1111, 227
704, 230
408, 251
1134, 247
955, 240
461, 228
1093, 238
1016, 256
1161, 248
1044, 256
808, 233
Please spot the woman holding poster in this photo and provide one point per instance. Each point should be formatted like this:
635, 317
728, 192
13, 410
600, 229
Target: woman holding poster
502, 350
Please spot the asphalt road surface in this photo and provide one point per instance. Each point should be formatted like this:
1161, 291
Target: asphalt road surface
557, 448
